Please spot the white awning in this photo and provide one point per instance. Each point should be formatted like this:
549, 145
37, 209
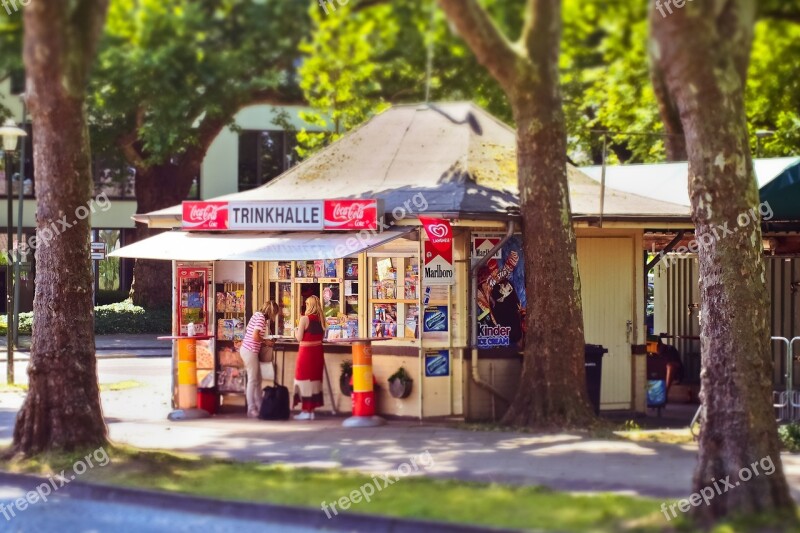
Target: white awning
186, 246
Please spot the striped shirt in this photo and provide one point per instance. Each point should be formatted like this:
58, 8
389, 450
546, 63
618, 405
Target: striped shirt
257, 322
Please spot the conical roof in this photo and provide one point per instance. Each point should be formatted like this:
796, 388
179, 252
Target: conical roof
461, 158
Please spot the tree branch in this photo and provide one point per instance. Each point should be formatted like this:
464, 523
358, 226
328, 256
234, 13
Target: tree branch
490, 46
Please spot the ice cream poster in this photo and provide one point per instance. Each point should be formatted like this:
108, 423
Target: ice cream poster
501, 294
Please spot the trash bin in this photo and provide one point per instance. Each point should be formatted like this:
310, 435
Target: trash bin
593, 364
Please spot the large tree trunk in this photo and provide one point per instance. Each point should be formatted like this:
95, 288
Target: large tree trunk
675, 141
158, 187
703, 51
62, 409
553, 366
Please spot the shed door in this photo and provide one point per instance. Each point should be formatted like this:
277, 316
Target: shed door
606, 266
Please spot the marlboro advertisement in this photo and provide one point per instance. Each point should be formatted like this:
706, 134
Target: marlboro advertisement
501, 292
438, 268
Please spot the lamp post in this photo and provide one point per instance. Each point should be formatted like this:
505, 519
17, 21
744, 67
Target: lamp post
10, 134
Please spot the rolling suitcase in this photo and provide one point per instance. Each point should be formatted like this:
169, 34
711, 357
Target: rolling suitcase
275, 403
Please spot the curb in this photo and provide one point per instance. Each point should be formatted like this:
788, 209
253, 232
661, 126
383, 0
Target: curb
279, 514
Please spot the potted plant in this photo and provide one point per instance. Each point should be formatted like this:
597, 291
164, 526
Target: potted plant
400, 384
344, 379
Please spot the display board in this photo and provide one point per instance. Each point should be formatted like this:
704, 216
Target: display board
193, 298
501, 293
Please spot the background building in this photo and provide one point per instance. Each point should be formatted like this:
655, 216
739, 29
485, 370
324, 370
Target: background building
260, 148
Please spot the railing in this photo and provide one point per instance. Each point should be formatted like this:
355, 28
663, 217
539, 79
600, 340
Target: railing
786, 402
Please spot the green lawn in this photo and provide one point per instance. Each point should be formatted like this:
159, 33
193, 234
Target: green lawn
422, 498
474, 503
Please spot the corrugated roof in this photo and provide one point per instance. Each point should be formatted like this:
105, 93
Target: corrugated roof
461, 158
670, 181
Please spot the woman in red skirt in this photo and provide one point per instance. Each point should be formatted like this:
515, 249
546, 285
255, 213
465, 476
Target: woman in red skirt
310, 359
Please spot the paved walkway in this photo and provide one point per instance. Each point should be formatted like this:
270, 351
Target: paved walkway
564, 461
120, 345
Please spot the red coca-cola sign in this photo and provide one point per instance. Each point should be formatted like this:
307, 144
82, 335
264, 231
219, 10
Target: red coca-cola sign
205, 215
349, 215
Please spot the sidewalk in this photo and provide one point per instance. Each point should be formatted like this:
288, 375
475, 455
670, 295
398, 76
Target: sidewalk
568, 461
107, 346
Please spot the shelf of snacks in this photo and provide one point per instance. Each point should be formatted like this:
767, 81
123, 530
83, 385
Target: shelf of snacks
230, 328
335, 282
394, 306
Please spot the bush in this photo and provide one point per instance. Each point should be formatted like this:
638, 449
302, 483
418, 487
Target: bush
124, 317
111, 297
790, 436
121, 317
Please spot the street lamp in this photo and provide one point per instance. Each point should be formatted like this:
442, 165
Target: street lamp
10, 134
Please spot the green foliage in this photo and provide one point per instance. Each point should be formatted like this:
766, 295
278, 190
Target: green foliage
400, 375
631, 425
790, 436
359, 60
117, 318
347, 367
124, 317
166, 70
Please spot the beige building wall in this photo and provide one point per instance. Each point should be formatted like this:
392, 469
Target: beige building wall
219, 174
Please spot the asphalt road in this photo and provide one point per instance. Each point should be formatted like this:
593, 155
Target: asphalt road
74, 515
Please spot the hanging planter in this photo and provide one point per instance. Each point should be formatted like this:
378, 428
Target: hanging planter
345, 379
400, 384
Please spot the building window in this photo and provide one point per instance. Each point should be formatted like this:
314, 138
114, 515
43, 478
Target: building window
264, 155
114, 179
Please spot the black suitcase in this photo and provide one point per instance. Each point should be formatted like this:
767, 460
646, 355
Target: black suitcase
275, 405
275, 402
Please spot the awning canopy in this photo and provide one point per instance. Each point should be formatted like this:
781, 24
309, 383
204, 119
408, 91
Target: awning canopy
189, 246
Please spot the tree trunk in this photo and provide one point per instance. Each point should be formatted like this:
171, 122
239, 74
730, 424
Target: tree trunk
552, 390
703, 51
158, 187
553, 366
675, 141
62, 409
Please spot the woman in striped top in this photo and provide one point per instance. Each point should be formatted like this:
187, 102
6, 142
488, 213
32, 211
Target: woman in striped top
260, 324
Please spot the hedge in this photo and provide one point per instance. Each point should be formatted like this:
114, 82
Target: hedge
121, 317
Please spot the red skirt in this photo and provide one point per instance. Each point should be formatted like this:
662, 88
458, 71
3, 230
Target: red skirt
308, 377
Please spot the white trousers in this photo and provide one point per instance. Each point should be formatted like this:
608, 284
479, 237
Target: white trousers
253, 369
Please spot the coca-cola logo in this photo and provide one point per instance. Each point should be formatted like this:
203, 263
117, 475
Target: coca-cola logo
204, 213
349, 212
